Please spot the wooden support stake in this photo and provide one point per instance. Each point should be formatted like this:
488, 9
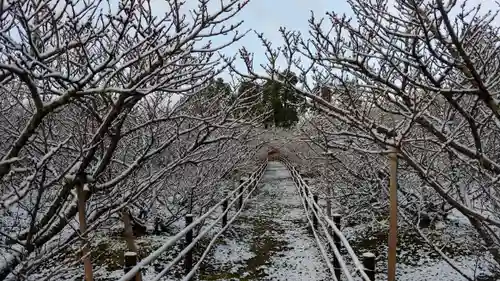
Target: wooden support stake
314, 217
308, 193
188, 258
130, 262
338, 245
329, 202
242, 190
224, 209
393, 224
369, 265
82, 195
250, 186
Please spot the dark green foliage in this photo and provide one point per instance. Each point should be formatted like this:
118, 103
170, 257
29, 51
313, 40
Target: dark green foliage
213, 96
215, 87
285, 101
279, 97
250, 95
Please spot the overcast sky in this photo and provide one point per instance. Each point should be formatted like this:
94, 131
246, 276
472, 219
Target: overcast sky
268, 16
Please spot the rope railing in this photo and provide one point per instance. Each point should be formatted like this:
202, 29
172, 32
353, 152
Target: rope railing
212, 241
251, 182
317, 217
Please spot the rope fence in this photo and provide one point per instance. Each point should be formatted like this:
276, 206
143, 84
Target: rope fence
237, 195
327, 230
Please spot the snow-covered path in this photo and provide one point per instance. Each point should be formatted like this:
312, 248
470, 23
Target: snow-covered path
270, 241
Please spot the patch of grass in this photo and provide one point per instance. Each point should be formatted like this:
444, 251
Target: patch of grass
265, 243
264, 246
411, 247
109, 256
110, 253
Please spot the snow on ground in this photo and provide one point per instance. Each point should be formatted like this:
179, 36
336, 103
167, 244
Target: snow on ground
440, 270
270, 240
286, 251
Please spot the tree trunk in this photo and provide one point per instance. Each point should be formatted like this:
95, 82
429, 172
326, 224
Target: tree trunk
128, 232
393, 228
129, 237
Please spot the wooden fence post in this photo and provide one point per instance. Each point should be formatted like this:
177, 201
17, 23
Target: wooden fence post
224, 209
369, 265
315, 218
130, 262
250, 185
306, 187
338, 244
188, 259
306, 191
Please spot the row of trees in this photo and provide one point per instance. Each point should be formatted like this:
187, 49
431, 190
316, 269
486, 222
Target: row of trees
105, 108
417, 76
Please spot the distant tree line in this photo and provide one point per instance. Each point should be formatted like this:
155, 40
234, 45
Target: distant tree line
280, 100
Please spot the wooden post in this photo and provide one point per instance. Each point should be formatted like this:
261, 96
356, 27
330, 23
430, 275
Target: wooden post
336, 240
315, 218
188, 259
130, 262
242, 190
82, 195
329, 202
224, 209
306, 191
250, 185
369, 265
393, 224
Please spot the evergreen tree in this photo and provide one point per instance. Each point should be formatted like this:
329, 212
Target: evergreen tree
250, 95
284, 100
215, 94
279, 97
